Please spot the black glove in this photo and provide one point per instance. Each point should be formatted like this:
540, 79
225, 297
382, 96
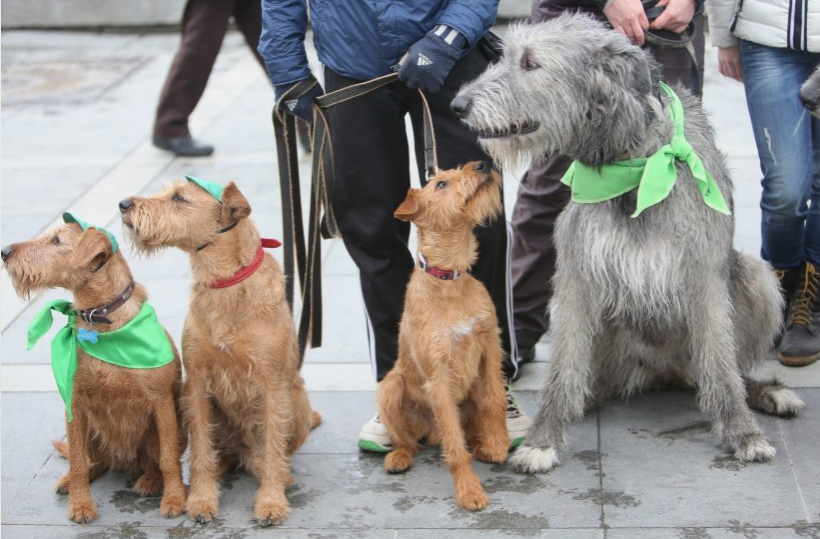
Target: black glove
299, 104
430, 59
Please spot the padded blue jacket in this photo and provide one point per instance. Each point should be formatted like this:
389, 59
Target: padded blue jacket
360, 39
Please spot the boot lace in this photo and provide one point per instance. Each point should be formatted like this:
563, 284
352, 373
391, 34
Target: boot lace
807, 298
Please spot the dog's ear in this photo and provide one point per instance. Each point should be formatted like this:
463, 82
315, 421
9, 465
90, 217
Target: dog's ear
92, 250
235, 206
410, 207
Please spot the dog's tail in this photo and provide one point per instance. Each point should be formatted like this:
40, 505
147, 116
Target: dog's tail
315, 419
62, 447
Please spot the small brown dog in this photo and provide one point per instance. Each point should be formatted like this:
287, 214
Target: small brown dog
245, 403
447, 381
124, 419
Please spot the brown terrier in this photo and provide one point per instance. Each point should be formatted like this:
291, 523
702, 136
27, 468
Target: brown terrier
447, 381
245, 403
124, 419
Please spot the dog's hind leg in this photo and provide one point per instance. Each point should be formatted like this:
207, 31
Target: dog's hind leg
469, 492
721, 392
490, 400
567, 385
405, 421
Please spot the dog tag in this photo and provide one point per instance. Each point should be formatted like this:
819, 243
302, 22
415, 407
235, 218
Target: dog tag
87, 335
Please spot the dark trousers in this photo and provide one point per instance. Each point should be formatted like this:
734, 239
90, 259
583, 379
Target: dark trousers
372, 175
204, 23
542, 196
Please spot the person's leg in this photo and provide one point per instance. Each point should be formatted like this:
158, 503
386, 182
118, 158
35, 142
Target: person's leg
541, 197
204, 24
371, 171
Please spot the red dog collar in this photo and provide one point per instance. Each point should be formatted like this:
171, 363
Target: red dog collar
438, 273
247, 271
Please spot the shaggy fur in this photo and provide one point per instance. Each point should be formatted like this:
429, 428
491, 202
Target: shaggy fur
245, 403
124, 419
810, 93
447, 384
638, 302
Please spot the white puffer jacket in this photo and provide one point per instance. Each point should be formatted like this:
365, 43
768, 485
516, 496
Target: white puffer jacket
776, 23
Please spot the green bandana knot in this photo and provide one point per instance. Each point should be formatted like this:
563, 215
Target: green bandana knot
214, 189
71, 218
654, 176
139, 344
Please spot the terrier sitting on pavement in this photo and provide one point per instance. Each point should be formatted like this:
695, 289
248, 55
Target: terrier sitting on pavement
117, 369
244, 401
447, 382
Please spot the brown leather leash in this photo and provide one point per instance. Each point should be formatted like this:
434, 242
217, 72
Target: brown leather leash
304, 259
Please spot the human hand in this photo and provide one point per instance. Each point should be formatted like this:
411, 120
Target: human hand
300, 105
430, 59
729, 63
628, 18
676, 17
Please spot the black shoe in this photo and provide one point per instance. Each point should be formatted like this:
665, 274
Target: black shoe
788, 281
801, 342
185, 146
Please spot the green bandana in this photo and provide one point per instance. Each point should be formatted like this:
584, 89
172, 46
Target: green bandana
139, 344
653, 176
71, 218
214, 188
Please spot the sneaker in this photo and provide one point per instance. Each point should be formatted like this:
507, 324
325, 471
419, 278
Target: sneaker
518, 422
374, 437
801, 342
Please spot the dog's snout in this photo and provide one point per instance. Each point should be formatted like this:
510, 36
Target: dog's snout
126, 204
461, 106
482, 166
6, 253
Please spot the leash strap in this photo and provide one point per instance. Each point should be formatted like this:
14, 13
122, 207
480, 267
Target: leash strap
321, 218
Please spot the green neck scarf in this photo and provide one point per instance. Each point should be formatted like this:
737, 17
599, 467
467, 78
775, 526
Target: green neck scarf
653, 176
139, 344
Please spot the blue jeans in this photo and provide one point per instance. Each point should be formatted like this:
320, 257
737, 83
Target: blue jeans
788, 145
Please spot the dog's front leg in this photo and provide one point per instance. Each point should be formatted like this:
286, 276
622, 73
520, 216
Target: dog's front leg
173, 495
203, 499
81, 508
721, 391
271, 506
469, 492
566, 387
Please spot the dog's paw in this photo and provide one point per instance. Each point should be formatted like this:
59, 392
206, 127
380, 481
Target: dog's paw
472, 498
202, 510
754, 448
491, 454
172, 505
528, 459
148, 484
398, 461
82, 512
269, 512
62, 485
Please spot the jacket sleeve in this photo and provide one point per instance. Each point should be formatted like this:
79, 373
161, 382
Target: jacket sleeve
721, 15
470, 17
282, 43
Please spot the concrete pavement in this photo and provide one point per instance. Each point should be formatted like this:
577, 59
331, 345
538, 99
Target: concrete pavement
76, 117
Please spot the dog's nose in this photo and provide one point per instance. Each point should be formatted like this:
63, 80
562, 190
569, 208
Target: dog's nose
461, 106
126, 204
482, 166
6, 253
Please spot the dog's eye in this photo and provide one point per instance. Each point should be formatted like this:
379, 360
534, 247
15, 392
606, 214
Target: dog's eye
55, 240
441, 185
178, 198
527, 64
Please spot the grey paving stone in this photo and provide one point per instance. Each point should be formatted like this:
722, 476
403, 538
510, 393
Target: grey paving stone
663, 469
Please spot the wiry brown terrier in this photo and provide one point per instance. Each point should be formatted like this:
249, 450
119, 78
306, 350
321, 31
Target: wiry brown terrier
244, 401
447, 381
124, 419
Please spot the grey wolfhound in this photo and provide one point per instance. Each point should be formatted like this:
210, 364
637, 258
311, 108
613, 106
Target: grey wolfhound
639, 302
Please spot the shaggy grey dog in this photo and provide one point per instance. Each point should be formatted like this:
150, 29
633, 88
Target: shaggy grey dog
639, 302
810, 93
